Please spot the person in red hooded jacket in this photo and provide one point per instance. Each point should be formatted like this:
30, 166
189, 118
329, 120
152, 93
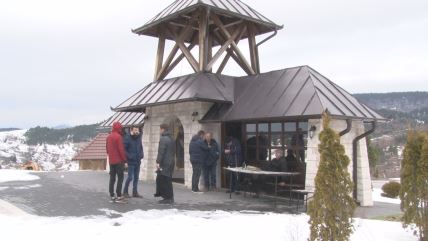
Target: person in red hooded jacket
117, 159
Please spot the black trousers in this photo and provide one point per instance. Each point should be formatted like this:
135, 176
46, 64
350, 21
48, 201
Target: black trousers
116, 170
158, 179
196, 175
164, 183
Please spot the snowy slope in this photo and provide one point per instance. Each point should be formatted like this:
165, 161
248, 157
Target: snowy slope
14, 152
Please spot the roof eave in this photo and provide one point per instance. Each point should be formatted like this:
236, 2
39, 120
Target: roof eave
141, 30
133, 108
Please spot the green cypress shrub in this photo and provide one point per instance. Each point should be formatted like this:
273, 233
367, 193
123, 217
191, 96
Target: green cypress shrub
332, 206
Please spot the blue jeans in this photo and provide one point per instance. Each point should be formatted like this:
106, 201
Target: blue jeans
210, 176
133, 175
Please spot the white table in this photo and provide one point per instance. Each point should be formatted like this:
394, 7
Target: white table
262, 173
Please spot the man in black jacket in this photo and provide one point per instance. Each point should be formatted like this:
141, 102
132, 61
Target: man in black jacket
165, 165
198, 151
210, 163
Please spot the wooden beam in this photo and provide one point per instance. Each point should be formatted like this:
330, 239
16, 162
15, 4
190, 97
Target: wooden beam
235, 48
192, 61
253, 48
210, 50
161, 74
159, 56
203, 39
229, 54
176, 62
225, 46
166, 68
180, 42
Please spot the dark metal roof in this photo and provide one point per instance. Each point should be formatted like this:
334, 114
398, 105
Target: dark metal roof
290, 93
234, 8
127, 119
198, 86
299, 92
95, 150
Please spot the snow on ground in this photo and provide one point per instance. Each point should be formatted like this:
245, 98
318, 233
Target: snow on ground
377, 192
16, 175
14, 152
377, 197
186, 225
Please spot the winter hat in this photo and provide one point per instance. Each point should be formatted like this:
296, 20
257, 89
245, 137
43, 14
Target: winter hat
117, 127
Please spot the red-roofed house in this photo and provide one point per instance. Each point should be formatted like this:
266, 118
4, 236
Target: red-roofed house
93, 156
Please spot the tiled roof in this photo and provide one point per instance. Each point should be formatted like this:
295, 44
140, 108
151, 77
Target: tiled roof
95, 150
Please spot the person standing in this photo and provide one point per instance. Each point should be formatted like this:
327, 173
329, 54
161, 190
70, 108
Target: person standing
210, 163
165, 165
232, 151
134, 153
117, 160
198, 151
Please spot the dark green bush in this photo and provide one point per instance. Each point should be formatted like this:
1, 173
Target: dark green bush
391, 189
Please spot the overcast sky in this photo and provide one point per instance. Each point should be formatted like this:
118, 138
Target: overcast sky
67, 62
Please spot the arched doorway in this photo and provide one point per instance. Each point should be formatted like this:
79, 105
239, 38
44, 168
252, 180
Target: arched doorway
177, 132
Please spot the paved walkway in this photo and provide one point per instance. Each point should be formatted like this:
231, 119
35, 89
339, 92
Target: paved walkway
85, 193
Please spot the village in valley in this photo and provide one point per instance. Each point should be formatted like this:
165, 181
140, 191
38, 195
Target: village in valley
232, 135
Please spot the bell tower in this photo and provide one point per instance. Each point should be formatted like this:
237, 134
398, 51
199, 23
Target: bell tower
209, 25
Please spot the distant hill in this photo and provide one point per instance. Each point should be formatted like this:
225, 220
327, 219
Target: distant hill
398, 101
8, 129
45, 135
404, 111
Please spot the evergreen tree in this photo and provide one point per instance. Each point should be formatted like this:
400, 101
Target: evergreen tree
373, 154
414, 183
332, 207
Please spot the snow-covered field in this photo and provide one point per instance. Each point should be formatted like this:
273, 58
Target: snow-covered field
187, 225
177, 225
14, 152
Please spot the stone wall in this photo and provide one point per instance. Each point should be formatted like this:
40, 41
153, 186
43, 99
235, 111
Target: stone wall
364, 193
163, 113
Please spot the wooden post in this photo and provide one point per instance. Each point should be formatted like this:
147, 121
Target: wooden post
253, 48
210, 49
203, 39
159, 56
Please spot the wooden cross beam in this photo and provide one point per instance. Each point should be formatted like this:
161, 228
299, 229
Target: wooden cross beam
229, 41
228, 55
254, 52
179, 40
165, 69
235, 47
176, 62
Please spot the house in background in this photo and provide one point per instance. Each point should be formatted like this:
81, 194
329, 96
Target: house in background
93, 156
266, 111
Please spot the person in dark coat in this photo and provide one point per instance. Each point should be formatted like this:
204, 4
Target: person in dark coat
198, 151
117, 159
210, 163
134, 154
165, 163
233, 155
279, 163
